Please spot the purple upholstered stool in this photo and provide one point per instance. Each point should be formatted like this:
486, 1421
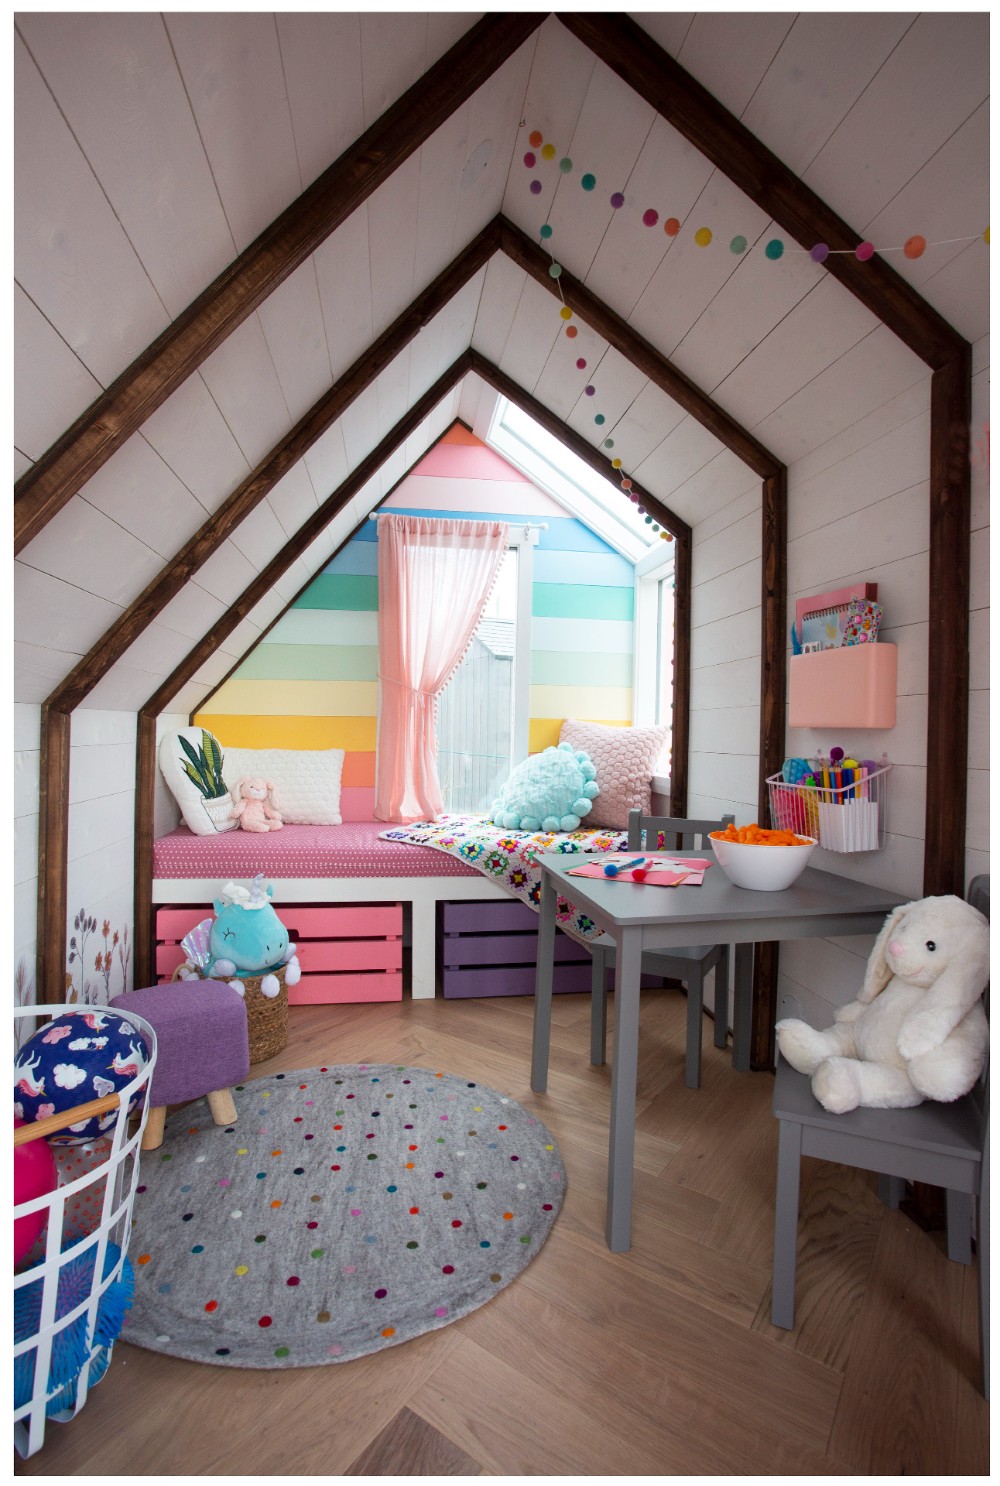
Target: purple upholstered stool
202, 1047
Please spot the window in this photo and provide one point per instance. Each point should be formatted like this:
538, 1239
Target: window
653, 683
482, 720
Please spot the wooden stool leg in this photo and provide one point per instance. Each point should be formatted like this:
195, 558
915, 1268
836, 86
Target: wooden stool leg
152, 1136
223, 1106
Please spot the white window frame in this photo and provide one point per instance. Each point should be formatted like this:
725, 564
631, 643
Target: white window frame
524, 539
655, 569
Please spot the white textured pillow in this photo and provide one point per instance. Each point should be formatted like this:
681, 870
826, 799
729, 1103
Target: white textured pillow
306, 780
205, 818
625, 759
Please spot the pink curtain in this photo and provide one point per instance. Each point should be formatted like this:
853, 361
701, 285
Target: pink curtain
434, 579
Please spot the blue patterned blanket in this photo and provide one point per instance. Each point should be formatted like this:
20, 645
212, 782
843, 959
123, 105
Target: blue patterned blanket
510, 858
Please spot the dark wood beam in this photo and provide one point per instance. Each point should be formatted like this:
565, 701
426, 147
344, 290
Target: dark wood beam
678, 98
261, 585
643, 356
53, 851
948, 637
771, 745
773, 642
261, 267
553, 424
247, 496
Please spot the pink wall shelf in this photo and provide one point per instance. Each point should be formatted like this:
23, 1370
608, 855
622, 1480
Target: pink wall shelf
853, 686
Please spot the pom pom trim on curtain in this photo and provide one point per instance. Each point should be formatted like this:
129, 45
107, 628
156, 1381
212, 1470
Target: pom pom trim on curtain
435, 578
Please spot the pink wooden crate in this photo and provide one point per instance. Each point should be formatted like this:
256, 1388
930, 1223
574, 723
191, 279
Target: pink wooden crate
168, 957
341, 921
173, 923
330, 989
350, 954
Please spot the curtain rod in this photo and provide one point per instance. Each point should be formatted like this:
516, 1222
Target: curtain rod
522, 525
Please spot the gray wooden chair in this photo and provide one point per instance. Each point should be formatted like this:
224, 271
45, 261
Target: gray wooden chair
690, 966
944, 1145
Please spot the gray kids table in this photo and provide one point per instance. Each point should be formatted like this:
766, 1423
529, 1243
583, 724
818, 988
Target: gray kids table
640, 917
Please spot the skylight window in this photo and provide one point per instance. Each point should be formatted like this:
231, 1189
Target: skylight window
547, 461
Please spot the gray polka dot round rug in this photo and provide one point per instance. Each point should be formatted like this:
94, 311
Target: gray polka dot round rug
346, 1210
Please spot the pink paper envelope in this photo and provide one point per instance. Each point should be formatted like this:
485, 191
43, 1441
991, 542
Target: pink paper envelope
662, 871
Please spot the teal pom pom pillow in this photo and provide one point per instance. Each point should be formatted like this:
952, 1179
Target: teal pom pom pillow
550, 791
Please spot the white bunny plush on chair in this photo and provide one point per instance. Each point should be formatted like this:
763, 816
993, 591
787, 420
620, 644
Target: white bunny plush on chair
918, 1030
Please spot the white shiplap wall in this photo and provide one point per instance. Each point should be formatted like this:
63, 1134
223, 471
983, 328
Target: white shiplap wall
24, 885
977, 839
100, 869
100, 875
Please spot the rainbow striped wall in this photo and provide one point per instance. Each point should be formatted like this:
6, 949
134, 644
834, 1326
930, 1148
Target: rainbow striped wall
312, 681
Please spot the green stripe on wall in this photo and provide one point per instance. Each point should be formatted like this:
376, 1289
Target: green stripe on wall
340, 591
274, 662
296, 698
550, 668
580, 601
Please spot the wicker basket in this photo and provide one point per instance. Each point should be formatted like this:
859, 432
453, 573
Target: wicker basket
267, 1016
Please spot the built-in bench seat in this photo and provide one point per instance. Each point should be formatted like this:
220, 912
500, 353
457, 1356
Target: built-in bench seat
328, 866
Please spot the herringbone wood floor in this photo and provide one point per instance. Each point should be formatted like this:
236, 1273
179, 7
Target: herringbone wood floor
661, 1361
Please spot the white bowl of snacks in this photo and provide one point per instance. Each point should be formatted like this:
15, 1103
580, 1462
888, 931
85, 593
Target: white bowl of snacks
763, 860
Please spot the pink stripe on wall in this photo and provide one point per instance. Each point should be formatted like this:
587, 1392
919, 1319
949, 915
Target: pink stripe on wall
466, 462
357, 802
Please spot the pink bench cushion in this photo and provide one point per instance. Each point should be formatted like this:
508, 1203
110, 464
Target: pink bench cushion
349, 850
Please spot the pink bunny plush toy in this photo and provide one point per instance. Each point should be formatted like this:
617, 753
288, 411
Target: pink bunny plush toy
252, 806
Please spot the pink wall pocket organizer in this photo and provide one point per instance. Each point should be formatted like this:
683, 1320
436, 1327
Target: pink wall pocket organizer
852, 686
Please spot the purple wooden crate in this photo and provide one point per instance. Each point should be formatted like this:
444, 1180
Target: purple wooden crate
505, 949
488, 917
512, 980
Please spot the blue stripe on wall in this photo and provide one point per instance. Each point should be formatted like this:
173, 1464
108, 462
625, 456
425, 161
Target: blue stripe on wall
359, 558
602, 569
564, 534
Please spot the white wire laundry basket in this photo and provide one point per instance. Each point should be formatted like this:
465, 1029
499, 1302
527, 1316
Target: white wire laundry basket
101, 1251
843, 818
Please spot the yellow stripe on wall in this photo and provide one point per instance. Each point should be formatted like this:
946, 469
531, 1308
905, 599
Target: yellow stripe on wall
543, 732
598, 702
296, 698
354, 734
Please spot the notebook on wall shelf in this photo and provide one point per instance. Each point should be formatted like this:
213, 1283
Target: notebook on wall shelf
821, 618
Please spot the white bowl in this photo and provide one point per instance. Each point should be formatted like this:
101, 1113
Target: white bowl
766, 869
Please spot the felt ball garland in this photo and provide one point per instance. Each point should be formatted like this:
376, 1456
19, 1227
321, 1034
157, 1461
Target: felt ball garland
774, 250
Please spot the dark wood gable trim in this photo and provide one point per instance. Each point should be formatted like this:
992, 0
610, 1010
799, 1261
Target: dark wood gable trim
643, 356
261, 267
624, 47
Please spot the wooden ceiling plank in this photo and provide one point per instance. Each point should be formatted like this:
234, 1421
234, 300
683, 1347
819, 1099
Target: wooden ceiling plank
247, 282
643, 356
209, 539
682, 101
554, 112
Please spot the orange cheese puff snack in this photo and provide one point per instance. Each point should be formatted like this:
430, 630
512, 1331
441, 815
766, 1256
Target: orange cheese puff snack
755, 835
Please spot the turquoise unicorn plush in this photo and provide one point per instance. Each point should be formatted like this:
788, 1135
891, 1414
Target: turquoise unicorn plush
246, 938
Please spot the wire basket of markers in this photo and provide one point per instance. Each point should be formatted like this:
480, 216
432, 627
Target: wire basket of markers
844, 809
